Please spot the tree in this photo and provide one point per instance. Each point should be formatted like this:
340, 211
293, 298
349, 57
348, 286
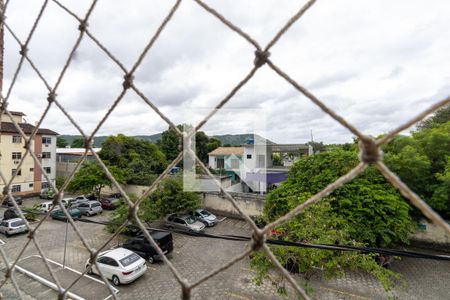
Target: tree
201, 146
420, 161
365, 211
317, 224
61, 142
170, 143
213, 144
77, 143
441, 195
366, 202
140, 160
90, 178
168, 198
441, 116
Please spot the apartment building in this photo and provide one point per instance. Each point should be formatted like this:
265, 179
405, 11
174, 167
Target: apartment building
29, 178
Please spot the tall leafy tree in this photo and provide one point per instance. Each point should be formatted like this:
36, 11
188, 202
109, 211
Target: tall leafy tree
169, 197
201, 146
440, 117
141, 160
170, 143
61, 142
213, 143
92, 179
421, 162
365, 211
77, 143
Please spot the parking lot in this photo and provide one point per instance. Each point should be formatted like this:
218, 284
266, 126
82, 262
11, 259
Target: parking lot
195, 256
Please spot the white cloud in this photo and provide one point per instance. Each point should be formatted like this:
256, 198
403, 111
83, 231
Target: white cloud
377, 65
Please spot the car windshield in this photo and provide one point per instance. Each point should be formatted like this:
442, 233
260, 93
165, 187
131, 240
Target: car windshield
204, 213
190, 220
129, 259
17, 223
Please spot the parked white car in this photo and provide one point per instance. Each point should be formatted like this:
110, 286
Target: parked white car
45, 206
205, 217
13, 226
120, 265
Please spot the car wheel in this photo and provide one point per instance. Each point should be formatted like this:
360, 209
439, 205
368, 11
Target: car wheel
89, 270
88, 214
170, 227
205, 223
151, 260
115, 280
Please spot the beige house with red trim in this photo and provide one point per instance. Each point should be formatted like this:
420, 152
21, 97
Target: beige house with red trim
29, 178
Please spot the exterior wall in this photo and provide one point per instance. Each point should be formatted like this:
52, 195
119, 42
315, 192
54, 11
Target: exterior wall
212, 162
64, 169
16, 118
7, 164
431, 235
137, 190
252, 204
49, 162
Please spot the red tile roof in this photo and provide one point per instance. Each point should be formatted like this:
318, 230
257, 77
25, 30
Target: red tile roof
8, 127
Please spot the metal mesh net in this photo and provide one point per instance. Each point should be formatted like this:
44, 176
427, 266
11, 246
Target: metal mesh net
370, 152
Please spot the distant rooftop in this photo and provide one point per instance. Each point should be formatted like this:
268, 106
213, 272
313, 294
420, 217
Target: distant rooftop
227, 151
26, 128
17, 113
75, 151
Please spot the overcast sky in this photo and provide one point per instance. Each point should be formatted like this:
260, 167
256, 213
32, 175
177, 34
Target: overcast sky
377, 63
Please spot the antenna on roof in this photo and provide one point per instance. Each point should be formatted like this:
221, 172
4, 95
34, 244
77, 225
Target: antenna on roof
312, 140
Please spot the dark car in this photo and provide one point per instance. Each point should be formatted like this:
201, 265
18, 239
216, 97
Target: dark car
141, 246
12, 213
7, 201
110, 203
115, 196
58, 214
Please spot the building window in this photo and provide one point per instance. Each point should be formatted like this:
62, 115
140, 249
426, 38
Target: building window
46, 140
47, 170
31, 169
249, 156
17, 155
30, 185
46, 154
15, 188
220, 163
14, 172
17, 139
235, 163
45, 185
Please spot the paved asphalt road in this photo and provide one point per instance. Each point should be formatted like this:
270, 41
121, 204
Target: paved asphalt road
194, 257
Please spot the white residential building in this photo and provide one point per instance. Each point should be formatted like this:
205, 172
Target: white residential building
28, 179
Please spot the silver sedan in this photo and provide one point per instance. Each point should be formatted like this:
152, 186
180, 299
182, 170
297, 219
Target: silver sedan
187, 223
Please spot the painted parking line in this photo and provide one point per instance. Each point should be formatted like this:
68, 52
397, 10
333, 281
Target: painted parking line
2, 242
52, 285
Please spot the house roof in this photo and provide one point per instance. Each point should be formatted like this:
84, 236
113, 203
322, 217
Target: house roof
8, 127
17, 113
227, 151
75, 151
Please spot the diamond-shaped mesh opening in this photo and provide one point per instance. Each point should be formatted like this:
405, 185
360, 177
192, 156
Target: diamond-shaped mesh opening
369, 148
